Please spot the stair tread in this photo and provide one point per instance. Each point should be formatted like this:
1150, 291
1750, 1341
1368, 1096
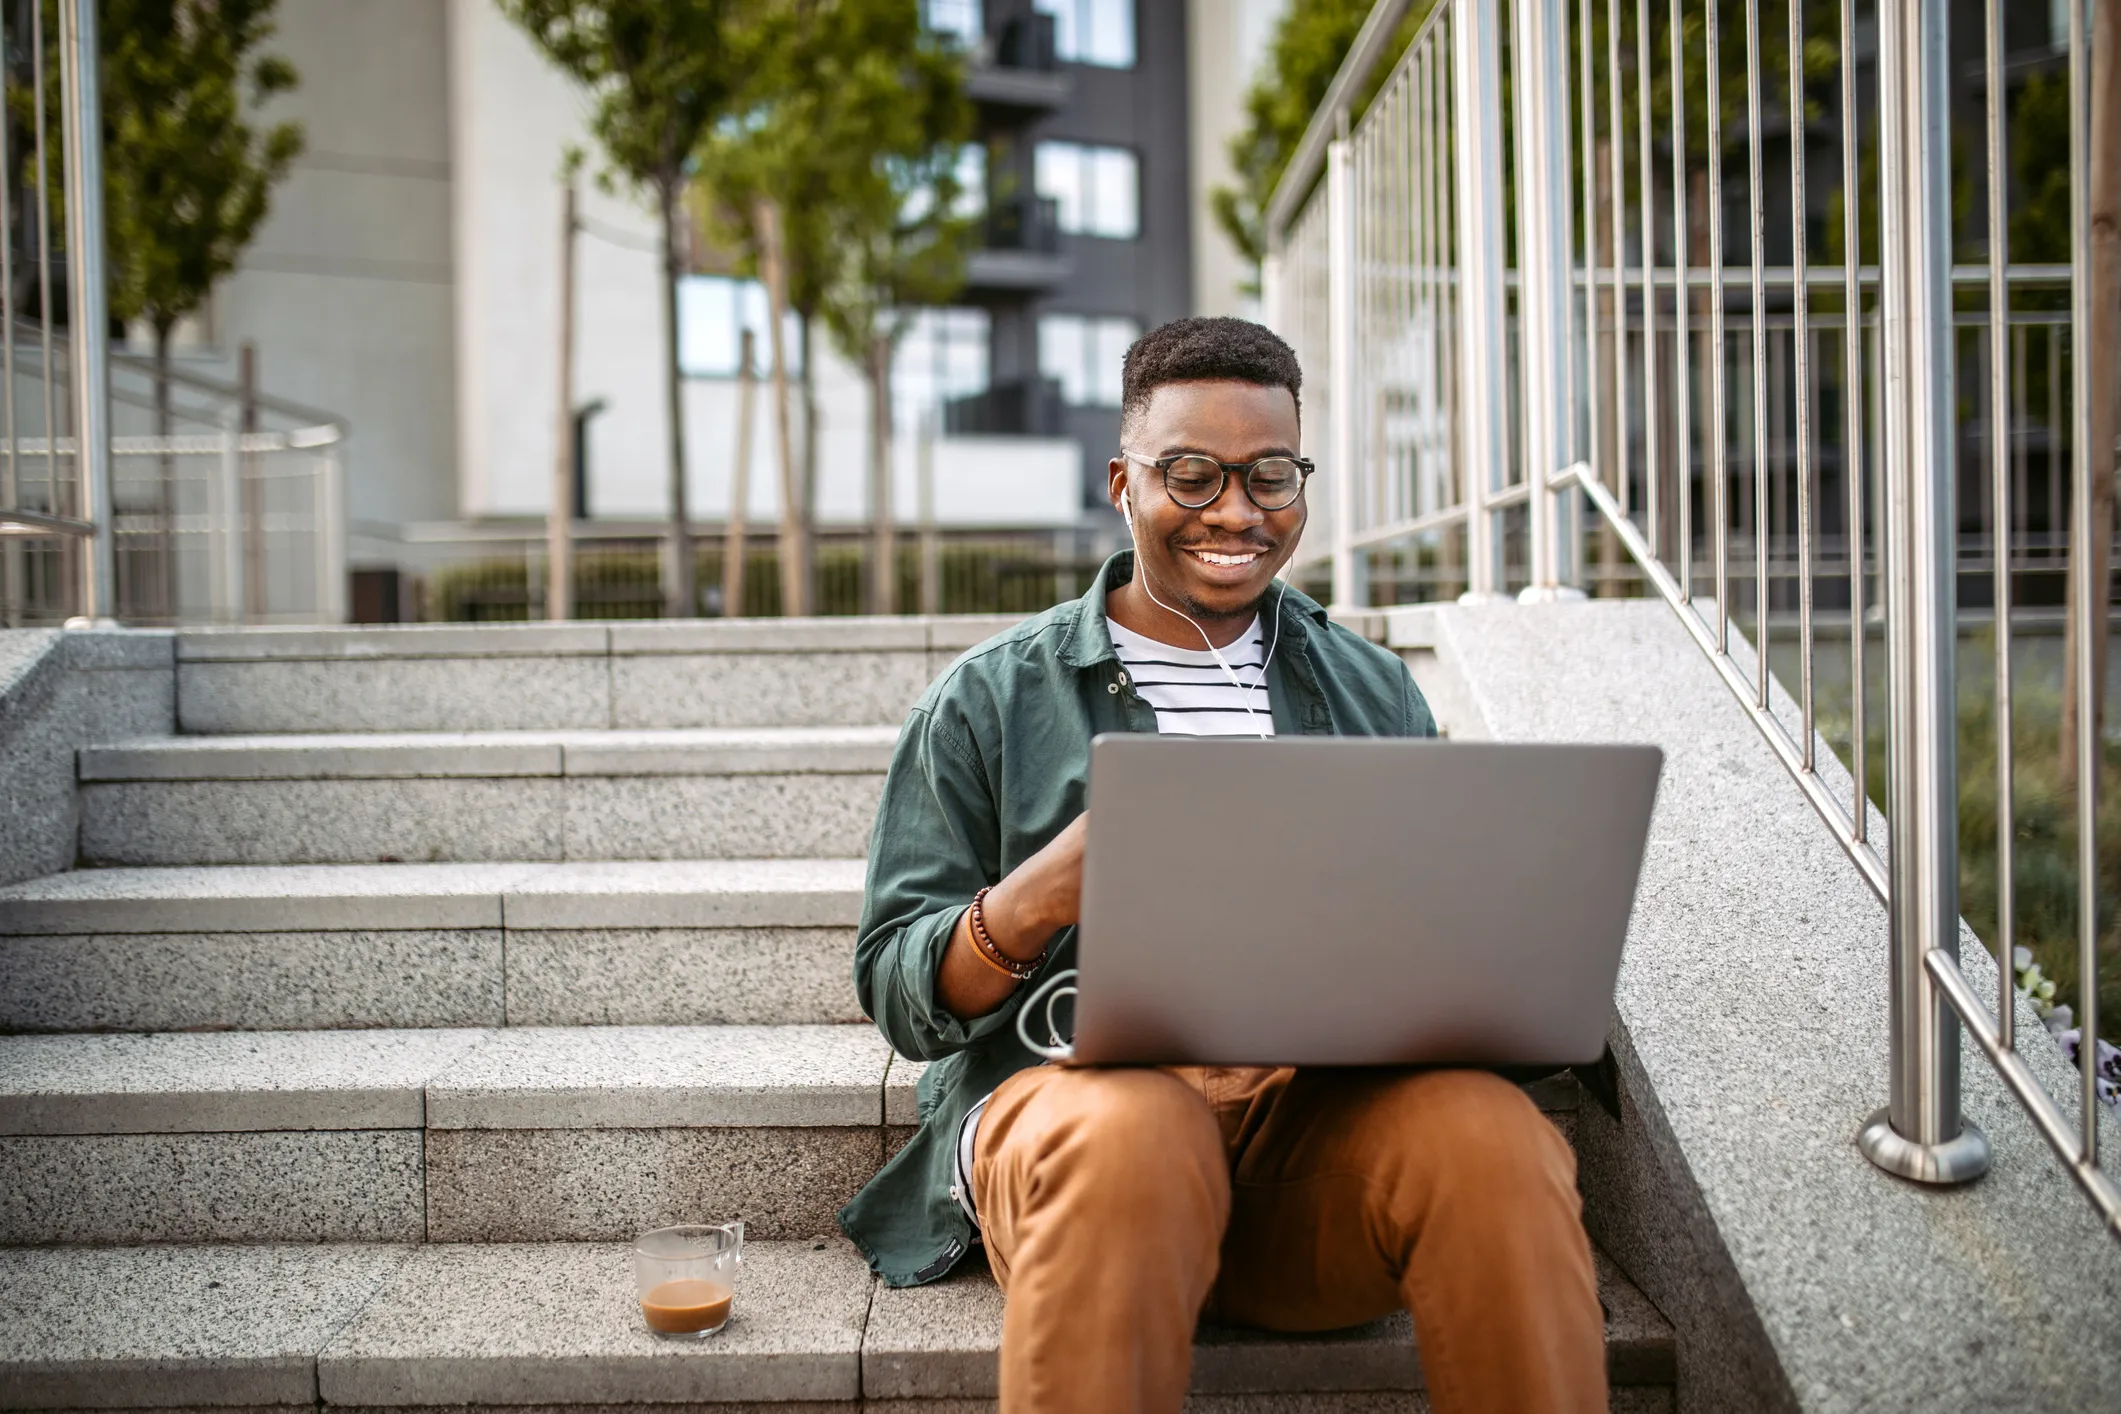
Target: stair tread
902, 633
487, 754
618, 1077
518, 1077
694, 893
381, 1325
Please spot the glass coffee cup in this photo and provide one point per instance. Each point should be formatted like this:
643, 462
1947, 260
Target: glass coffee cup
685, 1277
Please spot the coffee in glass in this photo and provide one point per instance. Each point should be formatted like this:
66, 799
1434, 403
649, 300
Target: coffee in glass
685, 1277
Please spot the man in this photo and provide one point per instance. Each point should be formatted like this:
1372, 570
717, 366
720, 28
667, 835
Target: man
1118, 1206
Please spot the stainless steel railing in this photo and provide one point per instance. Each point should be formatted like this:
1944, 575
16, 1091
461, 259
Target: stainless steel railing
127, 492
1603, 389
55, 539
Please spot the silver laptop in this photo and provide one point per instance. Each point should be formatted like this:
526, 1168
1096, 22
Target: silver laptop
1347, 901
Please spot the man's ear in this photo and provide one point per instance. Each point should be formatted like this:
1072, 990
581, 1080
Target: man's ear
1116, 482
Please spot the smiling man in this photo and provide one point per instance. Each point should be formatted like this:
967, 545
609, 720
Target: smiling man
1118, 1207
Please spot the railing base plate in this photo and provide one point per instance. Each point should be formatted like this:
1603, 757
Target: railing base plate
1961, 1159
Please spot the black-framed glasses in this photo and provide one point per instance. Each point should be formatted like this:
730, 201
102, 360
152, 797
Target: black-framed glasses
1196, 481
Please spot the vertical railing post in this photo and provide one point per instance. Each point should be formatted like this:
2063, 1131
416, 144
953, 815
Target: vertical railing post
1340, 336
1542, 148
1272, 266
88, 310
1920, 1134
1483, 372
331, 537
224, 535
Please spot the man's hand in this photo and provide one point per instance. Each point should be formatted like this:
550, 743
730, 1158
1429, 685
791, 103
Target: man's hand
1040, 897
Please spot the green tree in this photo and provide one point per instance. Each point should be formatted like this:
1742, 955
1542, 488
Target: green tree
187, 178
837, 187
660, 74
894, 112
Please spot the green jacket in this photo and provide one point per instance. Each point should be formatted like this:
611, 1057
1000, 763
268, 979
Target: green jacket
991, 764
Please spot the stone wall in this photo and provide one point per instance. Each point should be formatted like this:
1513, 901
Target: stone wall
59, 691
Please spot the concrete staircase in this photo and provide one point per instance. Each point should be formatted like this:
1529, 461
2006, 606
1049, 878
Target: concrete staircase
345, 1065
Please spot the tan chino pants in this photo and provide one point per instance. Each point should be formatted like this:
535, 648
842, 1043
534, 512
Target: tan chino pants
1119, 1206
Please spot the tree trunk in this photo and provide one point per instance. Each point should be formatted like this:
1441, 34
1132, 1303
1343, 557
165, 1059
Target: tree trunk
559, 521
793, 554
733, 543
681, 601
2102, 335
803, 329
883, 552
253, 490
166, 479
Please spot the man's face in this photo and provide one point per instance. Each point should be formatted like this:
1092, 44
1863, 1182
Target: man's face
1215, 562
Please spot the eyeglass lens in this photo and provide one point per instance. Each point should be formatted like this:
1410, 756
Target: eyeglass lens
1194, 482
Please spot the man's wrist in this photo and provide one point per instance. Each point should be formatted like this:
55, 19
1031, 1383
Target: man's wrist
1015, 926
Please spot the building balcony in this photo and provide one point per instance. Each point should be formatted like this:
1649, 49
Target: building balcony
1022, 407
1022, 248
1018, 73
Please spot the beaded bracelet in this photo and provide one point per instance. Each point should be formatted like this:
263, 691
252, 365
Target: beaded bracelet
994, 957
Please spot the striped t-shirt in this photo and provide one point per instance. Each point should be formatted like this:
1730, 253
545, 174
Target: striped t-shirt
1191, 693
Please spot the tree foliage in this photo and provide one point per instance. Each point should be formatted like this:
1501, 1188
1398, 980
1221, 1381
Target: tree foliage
853, 132
1310, 40
841, 175
659, 72
187, 176
889, 112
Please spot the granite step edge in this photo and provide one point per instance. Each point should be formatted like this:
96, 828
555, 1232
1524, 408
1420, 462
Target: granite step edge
705, 893
375, 1325
576, 1077
489, 754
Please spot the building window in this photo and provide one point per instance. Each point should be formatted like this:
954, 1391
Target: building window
942, 355
1085, 353
961, 19
1099, 32
1098, 188
713, 312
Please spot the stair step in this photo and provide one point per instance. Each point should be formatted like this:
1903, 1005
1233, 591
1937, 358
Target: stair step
671, 942
521, 1134
686, 673
383, 1326
940, 1342
484, 1135
753, 793
410, 755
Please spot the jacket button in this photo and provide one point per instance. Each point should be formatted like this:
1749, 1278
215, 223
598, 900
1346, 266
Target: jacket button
1113, 688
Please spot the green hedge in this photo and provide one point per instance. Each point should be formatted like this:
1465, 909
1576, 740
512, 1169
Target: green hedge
985, 577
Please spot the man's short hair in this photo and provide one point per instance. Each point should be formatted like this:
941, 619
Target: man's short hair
1191, 350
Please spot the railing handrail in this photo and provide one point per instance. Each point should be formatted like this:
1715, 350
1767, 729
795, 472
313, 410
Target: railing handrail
1358, 277
1309, 159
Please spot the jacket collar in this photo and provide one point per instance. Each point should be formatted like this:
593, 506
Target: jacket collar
1089, 641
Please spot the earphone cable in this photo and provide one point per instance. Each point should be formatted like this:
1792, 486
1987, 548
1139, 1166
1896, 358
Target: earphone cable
1244, 689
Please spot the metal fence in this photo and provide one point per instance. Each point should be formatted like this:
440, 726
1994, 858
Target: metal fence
156, 496
230, 516
1543, 364
52, 558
